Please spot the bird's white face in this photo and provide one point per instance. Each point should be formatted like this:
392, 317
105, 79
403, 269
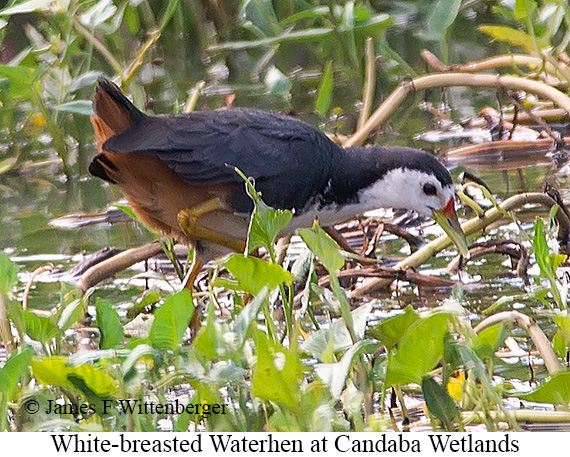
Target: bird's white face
408, 189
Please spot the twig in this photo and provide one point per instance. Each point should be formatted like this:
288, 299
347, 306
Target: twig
474, 225
518, 254
109, 267
514, 60
406, 88
5, 329
37, 271
369, 82
531, 327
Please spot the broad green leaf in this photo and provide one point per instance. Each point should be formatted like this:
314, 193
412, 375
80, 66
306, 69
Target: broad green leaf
40, 328
513, 36
254, 274
96, 379
325, 91
100, 402
262, 16
337, 334
524, 9
277, 83
109, 324
265, 225
556, 390
7, 164
489, 340
171, 321
22, 81
247, 317
438, 401
26, 7
51, 371
72, 307
55, 371
471, 361
561, 340
210, 343
324, 247
140, 351
8, 274
541, 251
13, 370
442, 16
391, 330
334, 375
99, 13
310, 13
419, 351
277, 374
84, 107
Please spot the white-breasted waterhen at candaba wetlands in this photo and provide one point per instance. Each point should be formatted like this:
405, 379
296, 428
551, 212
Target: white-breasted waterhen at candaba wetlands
178, 173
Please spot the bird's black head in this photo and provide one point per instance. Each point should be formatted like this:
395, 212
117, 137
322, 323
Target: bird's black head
394, 177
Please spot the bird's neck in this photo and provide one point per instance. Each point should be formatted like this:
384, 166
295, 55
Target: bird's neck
355, 169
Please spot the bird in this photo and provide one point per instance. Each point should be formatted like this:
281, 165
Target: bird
178, 173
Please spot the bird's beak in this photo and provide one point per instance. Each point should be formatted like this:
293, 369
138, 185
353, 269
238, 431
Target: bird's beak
447, 219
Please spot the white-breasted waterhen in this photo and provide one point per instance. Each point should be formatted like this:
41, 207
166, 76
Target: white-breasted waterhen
177, 173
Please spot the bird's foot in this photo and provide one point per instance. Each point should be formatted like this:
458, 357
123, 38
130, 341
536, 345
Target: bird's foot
188, 220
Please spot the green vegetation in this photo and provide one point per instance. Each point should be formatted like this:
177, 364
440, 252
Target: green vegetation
279, 348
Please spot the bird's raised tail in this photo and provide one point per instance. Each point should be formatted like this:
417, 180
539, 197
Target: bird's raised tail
114, 113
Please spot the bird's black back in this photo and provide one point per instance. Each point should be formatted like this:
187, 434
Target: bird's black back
290, 160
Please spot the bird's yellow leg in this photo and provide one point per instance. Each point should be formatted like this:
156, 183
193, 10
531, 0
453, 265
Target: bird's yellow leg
188, 220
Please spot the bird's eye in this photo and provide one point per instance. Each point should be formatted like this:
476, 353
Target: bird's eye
429, 189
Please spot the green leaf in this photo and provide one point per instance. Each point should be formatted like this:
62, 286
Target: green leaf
265, 225
8, 274
310, 13
247, 317
439, 402
109, 324
324, 247
22, 81
442, 16
513, 36
72, 308
561, 340
26, 7
524, 9
211, 342
40, 328
254, 274
337, 334
334, 375
391, 330
276, 82
262, 16
84, 107
171, 321
541, 251
556, 390
489, 340
13, 371
51, 371
95, 379
325, 91
419, 351
55, 371
7, 164
277, 373
99, 13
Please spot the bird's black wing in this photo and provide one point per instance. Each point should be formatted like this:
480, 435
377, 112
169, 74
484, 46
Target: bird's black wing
289, 159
